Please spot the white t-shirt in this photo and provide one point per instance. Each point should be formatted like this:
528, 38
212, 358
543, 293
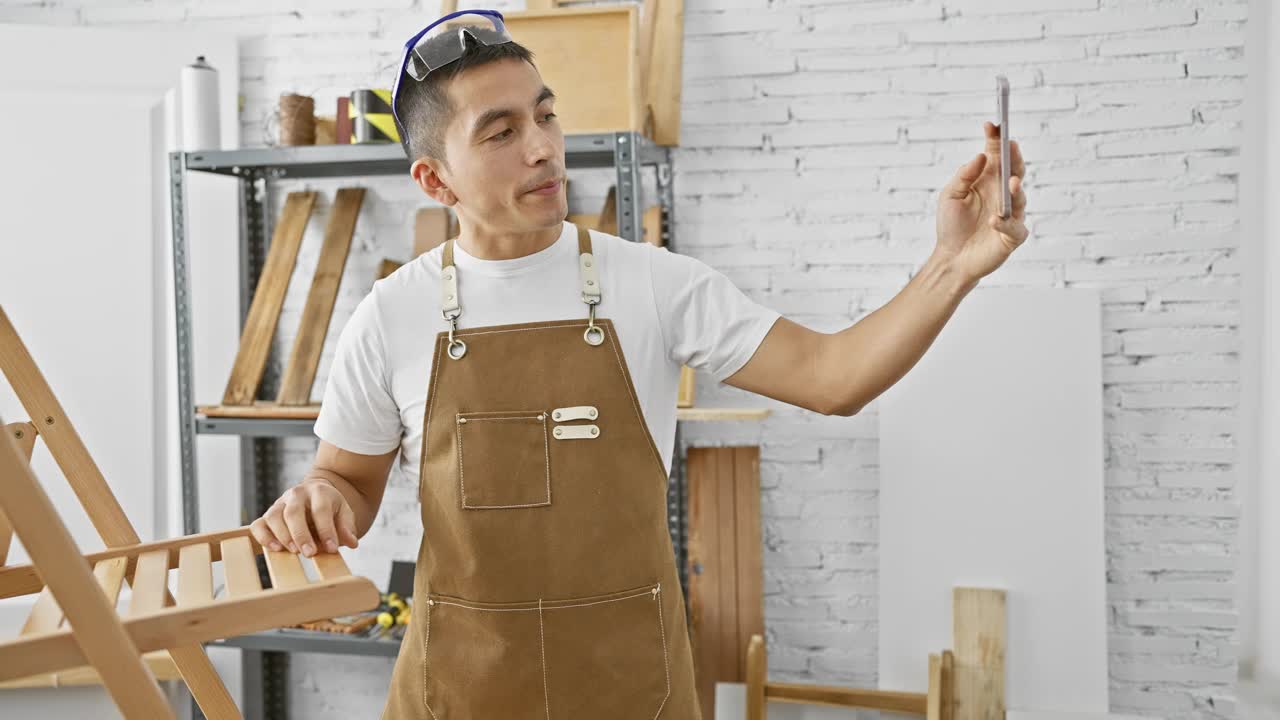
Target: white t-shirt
669, 310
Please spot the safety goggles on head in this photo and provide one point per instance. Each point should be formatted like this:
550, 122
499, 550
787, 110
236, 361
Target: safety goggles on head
424, 53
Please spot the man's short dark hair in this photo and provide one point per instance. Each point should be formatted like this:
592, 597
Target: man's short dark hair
424, 108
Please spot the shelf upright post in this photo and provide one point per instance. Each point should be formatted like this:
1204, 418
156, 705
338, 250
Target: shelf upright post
626, 160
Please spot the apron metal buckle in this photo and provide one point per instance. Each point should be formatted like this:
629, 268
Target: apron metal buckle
594, 334
457, 348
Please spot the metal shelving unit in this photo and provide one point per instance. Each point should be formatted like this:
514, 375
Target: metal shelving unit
265, 654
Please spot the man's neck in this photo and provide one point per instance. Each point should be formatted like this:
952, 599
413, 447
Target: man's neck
507, 246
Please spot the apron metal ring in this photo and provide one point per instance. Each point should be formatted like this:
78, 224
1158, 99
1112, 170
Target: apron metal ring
594, 335
460, 345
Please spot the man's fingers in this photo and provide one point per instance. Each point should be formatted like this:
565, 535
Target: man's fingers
295, 516
274, 518
323, 512
347, 526
263, 534
959, 185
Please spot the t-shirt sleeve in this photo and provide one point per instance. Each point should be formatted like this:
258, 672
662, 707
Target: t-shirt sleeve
357, 411
707, 322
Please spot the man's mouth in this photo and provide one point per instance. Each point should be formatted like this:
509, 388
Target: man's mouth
547, 188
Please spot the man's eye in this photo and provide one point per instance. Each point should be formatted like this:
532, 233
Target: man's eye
501, 135
550, 115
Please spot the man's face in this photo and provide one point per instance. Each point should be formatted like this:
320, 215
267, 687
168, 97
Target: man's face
502, 143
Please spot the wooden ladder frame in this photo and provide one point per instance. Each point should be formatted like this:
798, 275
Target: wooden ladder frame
83, 589
966, 683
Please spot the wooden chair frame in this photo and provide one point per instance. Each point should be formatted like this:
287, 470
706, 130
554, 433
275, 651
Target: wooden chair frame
84, 589
967, 684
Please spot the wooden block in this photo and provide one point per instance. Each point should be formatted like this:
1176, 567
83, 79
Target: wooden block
285, 569
430, 228
268, 298
978, 634
330, 565
684, 399
326, 129
604, 97
300, 372
342, 121
150, 582
651, 224
726, 599
195, 574
239, 567
662, 76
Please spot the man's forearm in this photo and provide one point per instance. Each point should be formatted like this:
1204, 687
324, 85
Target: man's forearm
361, 507
862, 361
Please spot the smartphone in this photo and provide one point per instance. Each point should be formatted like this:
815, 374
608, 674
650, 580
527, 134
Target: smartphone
1002, 110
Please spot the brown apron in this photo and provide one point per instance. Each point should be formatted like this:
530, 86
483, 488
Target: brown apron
546, 584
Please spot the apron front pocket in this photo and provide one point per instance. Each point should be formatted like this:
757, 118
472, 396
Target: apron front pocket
481, 660
606, 655
504, 459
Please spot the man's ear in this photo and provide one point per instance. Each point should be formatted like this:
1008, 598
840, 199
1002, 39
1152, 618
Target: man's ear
426, 172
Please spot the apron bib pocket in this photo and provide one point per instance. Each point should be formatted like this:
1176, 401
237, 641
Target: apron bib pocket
595, 656
504, 459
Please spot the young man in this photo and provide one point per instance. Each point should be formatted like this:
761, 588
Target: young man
526, 374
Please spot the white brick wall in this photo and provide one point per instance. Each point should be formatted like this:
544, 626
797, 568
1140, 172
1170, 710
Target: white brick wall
817, 133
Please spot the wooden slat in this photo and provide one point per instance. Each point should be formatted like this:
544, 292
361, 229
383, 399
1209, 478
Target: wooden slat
24, 580
24, 434
748, 546
285, 570
195, 574
934, 709
703, 414
261, 409
33, 654
158, 662
948, 685
239, 567
663, 75
726, 597
45, 615
150, 582
651, 222
688, 379
100, 638
704, 574
890, 700
268, 299
304, 359
430, 228
757, 677
110, 576
978, 636
608, 221
331, 566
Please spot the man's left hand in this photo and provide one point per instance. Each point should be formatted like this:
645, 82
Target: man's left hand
972, 236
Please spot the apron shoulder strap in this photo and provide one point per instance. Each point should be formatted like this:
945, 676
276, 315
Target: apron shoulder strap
587, 268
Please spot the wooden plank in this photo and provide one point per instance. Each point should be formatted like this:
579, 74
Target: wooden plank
721, 414
757, 677
748, 544
726, 558
948, 685
704, 573
261, 409
608, 222
285, 570
268, 299
99, 638
24, 580
195, 574
172, 626
685, 397
934, 709
608, 98
978, 635
430, 228
651, 223
150, 582
202, 679
889, 700
330, 566
663, 74
239, 567
304, 359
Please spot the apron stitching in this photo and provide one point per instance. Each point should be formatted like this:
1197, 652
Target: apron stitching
666, 662
542, 645
546, 449
425, 644
438, 601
